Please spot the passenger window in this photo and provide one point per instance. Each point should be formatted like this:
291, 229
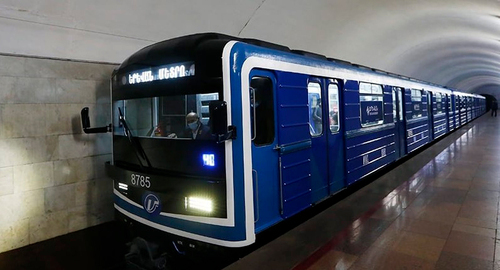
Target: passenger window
377, 89
365, 88
315, 109
372, 104
416, 101
262, 110
439, 103
333, 110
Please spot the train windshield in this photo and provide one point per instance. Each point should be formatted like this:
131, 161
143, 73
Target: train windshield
169, 139
181, 117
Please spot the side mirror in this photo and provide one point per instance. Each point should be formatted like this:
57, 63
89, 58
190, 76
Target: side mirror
85, 118
86, 123
218, 117
218, 121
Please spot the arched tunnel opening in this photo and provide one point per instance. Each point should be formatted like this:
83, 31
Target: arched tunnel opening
489, 100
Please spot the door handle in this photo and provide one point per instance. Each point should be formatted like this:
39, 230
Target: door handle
256, 195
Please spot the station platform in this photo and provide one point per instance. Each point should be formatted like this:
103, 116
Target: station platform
436, 210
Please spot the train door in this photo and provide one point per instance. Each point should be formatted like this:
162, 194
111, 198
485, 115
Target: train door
264, 158
448, 113
294, 143
469, 109
461, 108
452, 110
399, 121
318, 130
334, 137
430, 115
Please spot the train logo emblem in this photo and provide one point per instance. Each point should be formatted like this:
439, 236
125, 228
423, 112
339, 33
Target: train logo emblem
151, 204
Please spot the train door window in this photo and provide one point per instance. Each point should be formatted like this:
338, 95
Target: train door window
262, 110
448, 98
333, 109
416, 101
394, 105
371, 99
400, 100
315, 109
439, 103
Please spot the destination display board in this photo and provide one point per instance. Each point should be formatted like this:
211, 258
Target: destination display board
166, 72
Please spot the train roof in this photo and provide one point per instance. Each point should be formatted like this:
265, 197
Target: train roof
206, 48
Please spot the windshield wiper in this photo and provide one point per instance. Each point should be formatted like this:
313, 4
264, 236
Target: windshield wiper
138, 150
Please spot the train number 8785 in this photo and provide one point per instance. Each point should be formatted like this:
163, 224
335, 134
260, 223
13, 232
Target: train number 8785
140, 180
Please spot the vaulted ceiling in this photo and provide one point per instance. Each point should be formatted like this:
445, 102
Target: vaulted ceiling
455, 43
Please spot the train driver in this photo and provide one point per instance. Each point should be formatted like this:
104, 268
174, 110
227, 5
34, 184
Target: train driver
195, 130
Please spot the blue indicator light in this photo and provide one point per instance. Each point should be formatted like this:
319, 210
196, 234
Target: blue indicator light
209, 160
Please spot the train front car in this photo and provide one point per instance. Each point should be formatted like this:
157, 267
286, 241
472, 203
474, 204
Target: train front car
175, 180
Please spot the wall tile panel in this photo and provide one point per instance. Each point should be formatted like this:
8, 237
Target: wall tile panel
6, 181
14, 234
52, 178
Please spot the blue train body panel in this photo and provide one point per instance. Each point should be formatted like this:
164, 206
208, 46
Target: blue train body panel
440, 122
417, 133
368, 152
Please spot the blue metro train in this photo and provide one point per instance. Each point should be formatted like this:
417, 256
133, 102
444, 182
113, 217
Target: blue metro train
218, 138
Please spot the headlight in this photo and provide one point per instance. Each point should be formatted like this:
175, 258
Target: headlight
197, 203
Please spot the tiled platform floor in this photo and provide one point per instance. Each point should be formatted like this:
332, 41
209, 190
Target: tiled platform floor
437, 210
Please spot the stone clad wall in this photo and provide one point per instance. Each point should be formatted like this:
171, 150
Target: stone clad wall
52, 179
